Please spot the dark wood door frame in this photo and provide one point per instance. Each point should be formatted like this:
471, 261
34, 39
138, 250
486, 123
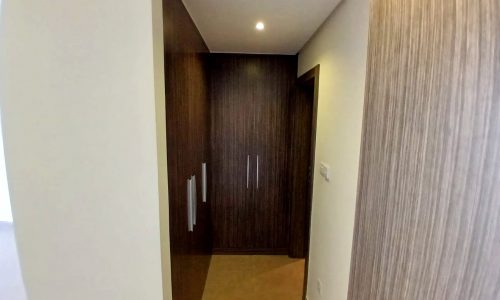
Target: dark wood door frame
308, 78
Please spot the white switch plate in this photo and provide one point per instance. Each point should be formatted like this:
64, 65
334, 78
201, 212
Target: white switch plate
324, 170
319, 287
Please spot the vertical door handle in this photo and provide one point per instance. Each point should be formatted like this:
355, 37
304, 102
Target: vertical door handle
194, 198
204, 181
257, 172
248, 170
190, 205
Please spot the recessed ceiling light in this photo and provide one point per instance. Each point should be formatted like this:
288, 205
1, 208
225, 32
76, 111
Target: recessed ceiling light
260, 26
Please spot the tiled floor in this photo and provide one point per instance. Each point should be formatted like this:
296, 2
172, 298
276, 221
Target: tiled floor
11, 283
254, 277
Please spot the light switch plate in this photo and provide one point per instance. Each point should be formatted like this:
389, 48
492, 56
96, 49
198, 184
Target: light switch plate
319, 287
324, 170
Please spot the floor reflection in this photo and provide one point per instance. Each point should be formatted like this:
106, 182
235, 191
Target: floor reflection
11, 283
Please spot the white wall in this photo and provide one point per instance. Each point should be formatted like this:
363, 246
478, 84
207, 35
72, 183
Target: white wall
5, 210
161, 138
78, 105
340, 47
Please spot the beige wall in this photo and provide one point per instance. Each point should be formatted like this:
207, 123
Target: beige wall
78, 112
161, 144
340, 47
5, 210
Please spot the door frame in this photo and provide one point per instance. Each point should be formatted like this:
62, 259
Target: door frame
306, 78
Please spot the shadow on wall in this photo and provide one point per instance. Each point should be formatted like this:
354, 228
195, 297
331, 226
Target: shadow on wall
5, 210
11, 282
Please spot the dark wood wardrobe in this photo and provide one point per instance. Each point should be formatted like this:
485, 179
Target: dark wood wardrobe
249, 98
188, 134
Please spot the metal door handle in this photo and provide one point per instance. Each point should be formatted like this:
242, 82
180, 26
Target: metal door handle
257, 175
204, 181
248, 171
194, 198
190, 205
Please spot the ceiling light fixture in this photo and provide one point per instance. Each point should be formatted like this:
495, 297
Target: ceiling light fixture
260, 26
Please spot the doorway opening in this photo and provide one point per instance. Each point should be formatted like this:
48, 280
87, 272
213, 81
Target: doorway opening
240, 141
262, 161
303, 120
246, 186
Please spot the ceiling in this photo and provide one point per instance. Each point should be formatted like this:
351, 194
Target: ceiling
229, 25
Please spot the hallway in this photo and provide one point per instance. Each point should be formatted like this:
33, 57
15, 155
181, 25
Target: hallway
250, 277
250, 150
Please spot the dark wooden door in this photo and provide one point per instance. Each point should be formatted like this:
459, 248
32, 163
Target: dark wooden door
276, 78
232, 127
302, 118
187, 123
249, 123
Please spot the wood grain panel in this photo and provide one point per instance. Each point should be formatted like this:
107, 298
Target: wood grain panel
272, 96
249, 98
232, 106
427, 220
188, 116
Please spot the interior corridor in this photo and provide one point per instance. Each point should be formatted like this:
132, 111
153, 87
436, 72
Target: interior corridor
235, 149
250, 277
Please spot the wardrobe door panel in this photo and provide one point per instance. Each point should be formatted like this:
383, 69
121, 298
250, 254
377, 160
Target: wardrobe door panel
271, 97
232, 123
249, 124
187, 123
187, 120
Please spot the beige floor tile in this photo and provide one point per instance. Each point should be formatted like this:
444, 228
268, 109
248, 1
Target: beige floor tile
250, 277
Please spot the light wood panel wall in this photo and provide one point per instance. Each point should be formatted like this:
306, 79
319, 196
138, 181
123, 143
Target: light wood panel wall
427, 221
